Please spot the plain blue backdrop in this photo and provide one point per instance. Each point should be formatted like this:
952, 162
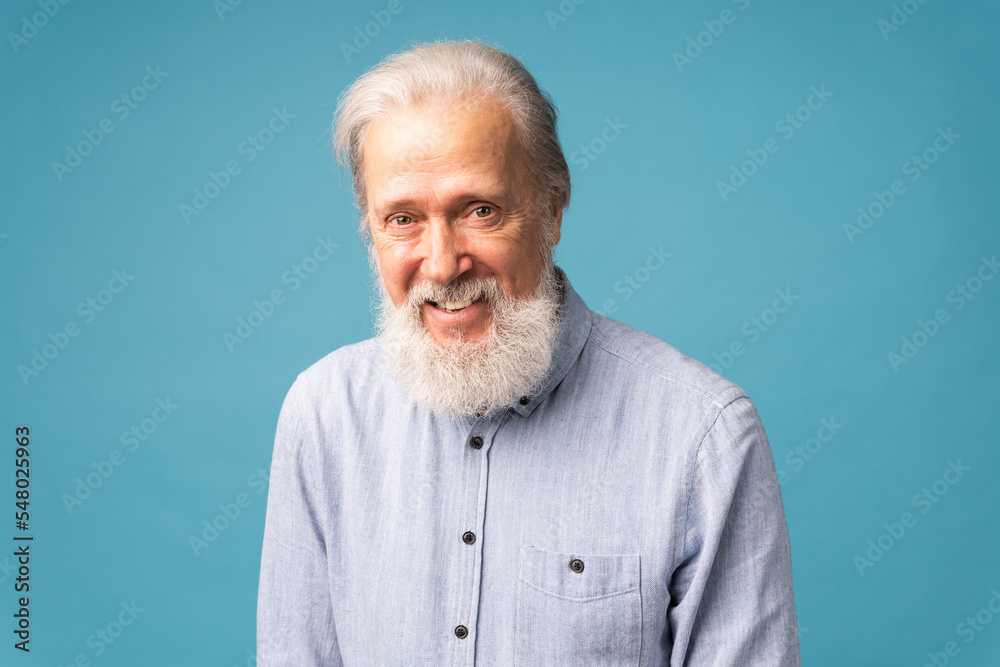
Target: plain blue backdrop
741, 137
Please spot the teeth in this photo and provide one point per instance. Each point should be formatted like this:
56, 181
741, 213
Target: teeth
452, 306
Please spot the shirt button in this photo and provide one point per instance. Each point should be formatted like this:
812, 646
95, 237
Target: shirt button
576, 565
461, 632
525, 400
476, 442
468, 537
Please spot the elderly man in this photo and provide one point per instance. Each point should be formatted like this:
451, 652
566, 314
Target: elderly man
501, 476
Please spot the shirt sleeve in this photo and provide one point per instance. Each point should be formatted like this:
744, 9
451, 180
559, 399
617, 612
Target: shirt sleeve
732, 601
295, 624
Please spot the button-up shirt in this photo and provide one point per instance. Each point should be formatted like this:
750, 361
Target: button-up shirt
628, 513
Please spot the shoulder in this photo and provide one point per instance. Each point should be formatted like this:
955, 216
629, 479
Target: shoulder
643, 356
341, 364
337, 378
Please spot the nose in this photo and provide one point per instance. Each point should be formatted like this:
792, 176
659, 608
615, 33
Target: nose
445, 252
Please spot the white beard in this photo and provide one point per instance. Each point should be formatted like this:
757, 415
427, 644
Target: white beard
470, 377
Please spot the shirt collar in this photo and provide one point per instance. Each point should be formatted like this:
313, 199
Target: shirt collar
573, 330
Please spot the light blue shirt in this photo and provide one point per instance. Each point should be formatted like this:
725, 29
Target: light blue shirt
627, 514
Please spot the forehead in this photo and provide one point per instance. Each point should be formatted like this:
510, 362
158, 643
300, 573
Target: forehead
447, 143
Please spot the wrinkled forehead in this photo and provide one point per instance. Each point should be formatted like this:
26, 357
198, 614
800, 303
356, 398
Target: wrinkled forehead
442, 133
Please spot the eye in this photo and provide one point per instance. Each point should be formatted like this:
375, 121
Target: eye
401, 220
482, 211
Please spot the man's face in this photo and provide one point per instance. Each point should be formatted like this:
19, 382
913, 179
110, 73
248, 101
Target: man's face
450, 201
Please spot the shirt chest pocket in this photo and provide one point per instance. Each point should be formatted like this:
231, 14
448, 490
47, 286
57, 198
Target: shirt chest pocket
577, 609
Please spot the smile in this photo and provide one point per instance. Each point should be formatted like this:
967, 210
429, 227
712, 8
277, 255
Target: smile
453, 306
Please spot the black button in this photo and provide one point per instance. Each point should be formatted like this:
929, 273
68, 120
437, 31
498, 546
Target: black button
576, 565
476, 442
468, 537
479, 414
525, 400
461, 632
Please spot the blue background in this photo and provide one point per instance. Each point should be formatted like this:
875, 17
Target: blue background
686, 125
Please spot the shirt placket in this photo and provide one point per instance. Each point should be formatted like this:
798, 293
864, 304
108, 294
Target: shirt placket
469, 532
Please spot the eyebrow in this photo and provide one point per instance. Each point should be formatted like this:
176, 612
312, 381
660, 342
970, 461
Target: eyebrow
465, 197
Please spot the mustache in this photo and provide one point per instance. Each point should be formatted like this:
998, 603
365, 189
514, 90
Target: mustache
470, 288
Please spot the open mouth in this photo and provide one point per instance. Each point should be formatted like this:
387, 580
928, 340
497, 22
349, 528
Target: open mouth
454, 306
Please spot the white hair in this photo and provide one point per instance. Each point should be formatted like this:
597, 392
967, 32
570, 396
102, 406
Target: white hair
443, 70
